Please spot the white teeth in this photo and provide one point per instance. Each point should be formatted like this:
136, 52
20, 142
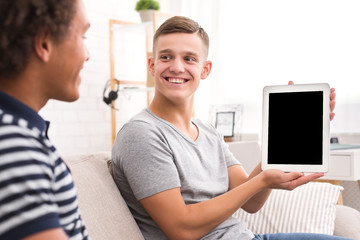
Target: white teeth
176, 80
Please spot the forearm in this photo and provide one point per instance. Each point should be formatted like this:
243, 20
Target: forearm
276, 179
56, 233
180, 221
256, 202
199, 219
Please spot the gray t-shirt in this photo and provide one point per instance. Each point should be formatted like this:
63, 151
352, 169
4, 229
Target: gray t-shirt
151, 155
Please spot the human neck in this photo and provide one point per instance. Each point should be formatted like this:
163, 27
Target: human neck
179, 115
24, 89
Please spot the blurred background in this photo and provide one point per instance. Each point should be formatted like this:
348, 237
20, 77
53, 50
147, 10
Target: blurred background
252, 44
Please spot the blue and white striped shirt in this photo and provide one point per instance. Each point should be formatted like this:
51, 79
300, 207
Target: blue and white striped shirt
37, 191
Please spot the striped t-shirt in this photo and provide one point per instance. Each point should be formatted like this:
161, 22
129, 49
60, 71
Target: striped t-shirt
37, 191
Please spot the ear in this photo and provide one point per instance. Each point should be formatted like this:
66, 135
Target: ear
206, 70
43, 45
151, 66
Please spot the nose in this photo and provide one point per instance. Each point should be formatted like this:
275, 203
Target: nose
177, 66
87, 54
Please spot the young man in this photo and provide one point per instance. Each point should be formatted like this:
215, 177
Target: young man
42, 51
176, 174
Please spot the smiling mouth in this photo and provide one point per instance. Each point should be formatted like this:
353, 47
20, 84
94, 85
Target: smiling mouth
176, 80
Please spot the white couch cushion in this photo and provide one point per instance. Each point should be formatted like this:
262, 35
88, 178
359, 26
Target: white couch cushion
102, 207
309, 208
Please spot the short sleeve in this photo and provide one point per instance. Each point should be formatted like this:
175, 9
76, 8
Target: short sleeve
142, 155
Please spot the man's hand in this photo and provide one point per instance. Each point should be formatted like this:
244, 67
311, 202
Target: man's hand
277, 179
332, 100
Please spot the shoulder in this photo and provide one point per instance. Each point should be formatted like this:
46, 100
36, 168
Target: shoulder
27, 168
207, 129
145, 119
142, 135
18, 138
18, 142
15, 128
142, 126
25, 150
203, 125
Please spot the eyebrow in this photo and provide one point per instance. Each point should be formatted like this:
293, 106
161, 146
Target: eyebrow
165, 51
190, 53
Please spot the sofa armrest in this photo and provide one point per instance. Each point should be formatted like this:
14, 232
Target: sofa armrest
347, 222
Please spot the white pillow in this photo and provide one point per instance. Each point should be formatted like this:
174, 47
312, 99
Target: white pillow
309, 208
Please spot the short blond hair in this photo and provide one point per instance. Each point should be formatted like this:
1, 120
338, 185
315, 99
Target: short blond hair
180, 24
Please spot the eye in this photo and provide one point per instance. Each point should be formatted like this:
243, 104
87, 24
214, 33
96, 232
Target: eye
84, 37
189, 59
164, 57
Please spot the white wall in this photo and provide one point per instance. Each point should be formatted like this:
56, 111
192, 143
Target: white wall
270, 42
261, 43
84, 126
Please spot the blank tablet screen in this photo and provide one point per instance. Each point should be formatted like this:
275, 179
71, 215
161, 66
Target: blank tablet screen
295, 128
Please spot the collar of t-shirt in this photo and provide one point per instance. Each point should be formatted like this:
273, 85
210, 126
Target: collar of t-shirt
12, 106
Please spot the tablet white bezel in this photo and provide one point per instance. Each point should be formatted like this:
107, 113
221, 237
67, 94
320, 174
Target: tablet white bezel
325, 88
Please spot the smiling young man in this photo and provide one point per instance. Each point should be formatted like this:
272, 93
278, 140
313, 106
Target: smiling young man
42, 51
176, 174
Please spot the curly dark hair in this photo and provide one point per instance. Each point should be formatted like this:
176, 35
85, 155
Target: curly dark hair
21, 21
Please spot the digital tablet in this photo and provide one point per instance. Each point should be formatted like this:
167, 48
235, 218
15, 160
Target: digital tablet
296, 126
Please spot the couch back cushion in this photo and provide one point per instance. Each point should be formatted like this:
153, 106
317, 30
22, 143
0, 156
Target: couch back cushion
102, 207
310, 208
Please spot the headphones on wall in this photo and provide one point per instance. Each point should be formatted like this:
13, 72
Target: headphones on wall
113, 94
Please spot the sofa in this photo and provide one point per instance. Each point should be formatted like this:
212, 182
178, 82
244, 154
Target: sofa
107, 216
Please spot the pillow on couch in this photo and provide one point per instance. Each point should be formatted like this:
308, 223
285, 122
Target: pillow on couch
102, 207
309, 208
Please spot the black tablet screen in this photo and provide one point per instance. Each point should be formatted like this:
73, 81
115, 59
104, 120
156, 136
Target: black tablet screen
295, 128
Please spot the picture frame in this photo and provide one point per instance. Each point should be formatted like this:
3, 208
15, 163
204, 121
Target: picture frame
225, 122
227, 119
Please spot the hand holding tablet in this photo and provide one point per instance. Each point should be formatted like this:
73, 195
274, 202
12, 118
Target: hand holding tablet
296, 127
